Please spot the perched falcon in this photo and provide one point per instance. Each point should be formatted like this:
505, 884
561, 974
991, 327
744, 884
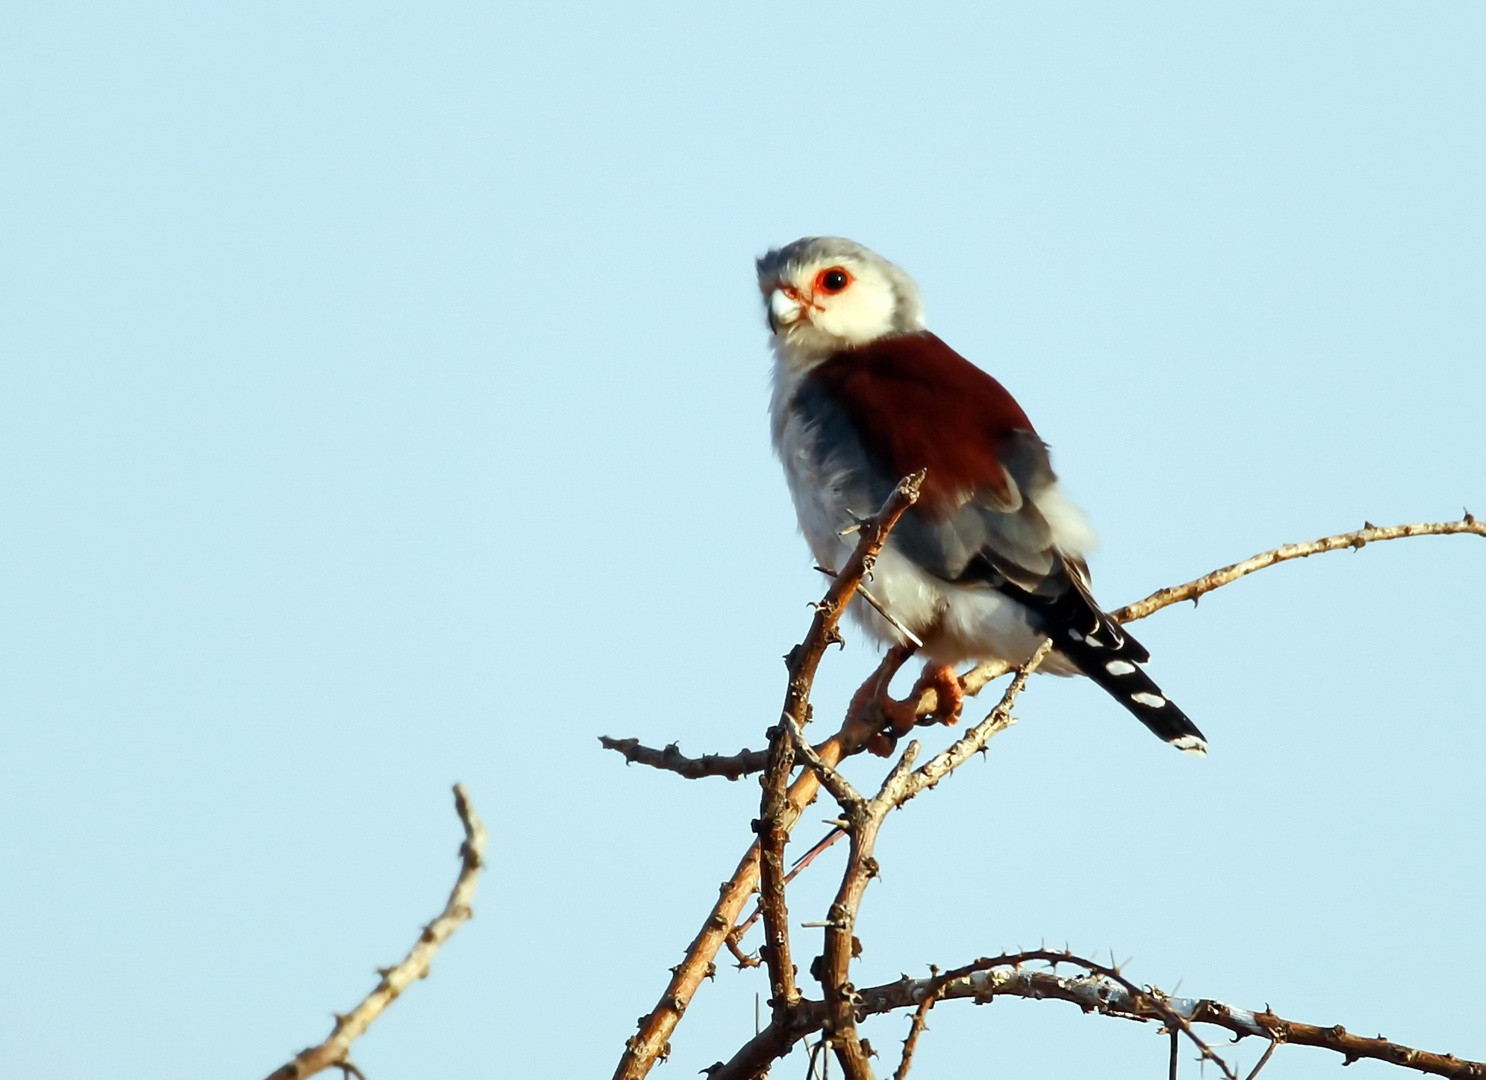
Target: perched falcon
989, 562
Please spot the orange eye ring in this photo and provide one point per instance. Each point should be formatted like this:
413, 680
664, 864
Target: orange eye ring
832, 280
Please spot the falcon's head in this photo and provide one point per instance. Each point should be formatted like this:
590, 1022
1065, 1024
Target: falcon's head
824, 294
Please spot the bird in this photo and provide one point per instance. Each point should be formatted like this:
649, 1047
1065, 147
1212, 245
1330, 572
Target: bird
990, 561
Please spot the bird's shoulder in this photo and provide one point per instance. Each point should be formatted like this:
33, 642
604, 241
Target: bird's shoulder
914, 403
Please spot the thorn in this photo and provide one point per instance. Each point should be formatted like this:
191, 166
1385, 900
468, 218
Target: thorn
1469, 519
1368, 525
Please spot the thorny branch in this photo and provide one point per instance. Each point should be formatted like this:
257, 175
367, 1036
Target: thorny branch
1004, 976
335, 1051
803, 662
782, 803
750, 761
920, 1023
1193, 590
1102, 989
671, 759
864, 818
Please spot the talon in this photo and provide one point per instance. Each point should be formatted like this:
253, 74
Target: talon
948, 692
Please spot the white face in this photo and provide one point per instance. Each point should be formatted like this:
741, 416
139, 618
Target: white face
827, 305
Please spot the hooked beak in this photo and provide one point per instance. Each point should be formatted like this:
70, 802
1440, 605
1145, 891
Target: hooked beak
785, 307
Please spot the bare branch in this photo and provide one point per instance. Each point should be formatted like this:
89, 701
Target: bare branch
1156, 1000
335, 1051
920, 1022
803, 662
1192, 590
650, 1044
671, 759
1095, 993
1002, 976
800, 864
839, 787
973, 741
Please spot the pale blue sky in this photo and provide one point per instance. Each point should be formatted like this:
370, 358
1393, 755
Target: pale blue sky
384, 405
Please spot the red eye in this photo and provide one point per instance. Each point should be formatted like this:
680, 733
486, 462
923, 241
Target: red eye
832, 281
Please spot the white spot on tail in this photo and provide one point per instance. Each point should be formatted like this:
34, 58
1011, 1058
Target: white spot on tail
1190, 744
1154, 701
1119, 667
1074, 635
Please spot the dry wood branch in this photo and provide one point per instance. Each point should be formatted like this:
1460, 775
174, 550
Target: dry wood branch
973, 741
920, 1023
800, 864
335, 1051
650, 1044
864, 819
1094, 993
803, 662
671, 759
1193, 590
1151, 998
1003, 976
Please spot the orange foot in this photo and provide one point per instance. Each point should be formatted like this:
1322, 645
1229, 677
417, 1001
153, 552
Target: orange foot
894, 718
947, 689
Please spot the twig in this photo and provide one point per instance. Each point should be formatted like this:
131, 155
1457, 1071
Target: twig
800, 864
1193, 590
671, 759
920, 1022
973, 741
334, 1051
1264, 1060
650, 1044
879, 607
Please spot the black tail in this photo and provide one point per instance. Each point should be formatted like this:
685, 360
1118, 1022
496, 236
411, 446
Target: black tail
1101, 649
1112, 658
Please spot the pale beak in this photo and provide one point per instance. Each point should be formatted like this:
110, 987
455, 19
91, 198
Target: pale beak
785, 308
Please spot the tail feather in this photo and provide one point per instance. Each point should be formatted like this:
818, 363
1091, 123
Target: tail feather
1104, 651
1114, 663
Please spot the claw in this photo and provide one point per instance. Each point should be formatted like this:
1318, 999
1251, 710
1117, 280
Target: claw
948, 692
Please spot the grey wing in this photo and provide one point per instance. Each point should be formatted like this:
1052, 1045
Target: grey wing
993, 537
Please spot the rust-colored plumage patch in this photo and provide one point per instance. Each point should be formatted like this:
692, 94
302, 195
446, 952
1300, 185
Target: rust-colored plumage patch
919, 404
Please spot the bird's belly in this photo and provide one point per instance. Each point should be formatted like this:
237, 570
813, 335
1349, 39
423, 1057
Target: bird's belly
955, 622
